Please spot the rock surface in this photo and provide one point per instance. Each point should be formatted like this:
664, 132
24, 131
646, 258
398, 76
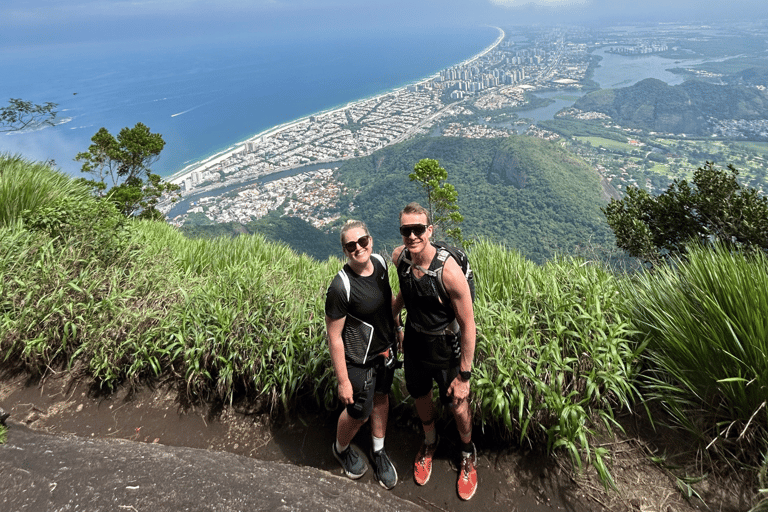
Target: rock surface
42, 472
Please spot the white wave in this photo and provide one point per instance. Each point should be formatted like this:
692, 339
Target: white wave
180, 113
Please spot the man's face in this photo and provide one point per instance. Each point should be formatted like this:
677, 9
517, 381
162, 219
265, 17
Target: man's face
415, 231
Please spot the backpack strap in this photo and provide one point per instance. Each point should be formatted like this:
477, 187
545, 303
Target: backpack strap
442, 256
380, 259
345, 282
345, 278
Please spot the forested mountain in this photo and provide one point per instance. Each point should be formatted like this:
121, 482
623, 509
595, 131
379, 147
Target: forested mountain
297, 233
526, 193
751, 76
685, 108
529, 194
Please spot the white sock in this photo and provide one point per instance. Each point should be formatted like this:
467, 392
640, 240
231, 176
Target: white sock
339, 448
378, 443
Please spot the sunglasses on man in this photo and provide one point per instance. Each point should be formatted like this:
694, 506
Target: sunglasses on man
363, 242
416, 229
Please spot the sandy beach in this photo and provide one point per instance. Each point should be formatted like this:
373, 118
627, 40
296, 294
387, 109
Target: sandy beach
216, 159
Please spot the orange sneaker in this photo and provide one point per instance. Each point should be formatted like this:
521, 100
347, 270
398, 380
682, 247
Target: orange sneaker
422, 467
467, 484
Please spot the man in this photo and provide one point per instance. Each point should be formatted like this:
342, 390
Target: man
439, 342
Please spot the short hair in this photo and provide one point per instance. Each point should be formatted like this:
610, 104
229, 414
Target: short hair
352, 224
415, 208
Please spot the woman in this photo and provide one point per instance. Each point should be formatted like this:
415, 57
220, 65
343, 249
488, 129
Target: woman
361, 324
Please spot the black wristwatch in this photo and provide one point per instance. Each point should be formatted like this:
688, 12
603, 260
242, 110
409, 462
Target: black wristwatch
465, 376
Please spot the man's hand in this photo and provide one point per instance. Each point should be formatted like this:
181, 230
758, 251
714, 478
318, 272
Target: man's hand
459, 390
346, 393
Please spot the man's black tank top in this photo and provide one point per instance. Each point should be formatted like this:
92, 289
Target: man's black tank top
426, 312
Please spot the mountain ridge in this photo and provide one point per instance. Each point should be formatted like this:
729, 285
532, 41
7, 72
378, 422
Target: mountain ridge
653, 105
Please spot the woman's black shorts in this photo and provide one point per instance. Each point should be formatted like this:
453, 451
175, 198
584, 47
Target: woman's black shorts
365, 382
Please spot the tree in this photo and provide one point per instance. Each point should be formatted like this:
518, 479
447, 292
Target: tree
20, 115
441, 199
715, 207
126, 161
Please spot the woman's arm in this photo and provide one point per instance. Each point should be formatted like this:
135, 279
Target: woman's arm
334, 327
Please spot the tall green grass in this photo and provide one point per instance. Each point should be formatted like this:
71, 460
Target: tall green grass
61, 306
26, 185
227, 318
554, 349
706, 323
253, 322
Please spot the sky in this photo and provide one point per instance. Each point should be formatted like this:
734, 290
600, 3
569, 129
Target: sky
29, 22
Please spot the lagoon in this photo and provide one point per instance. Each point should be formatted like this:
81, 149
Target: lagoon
614, 71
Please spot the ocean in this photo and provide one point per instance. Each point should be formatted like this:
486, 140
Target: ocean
205, 95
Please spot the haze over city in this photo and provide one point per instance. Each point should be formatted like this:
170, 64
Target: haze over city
62, 21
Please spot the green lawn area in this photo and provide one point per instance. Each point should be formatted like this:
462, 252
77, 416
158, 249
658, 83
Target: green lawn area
760, 147
606, 143
660, 169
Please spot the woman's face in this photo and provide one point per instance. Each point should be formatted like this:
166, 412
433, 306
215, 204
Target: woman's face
358, 254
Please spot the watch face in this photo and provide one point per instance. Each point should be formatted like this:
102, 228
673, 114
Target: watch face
466, 375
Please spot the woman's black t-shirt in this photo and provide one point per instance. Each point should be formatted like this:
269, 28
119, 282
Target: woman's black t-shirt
370, 300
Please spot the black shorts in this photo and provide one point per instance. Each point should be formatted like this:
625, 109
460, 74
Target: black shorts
420, 373
419, 379
365, 382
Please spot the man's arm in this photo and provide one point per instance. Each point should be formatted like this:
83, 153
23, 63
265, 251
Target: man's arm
397, 306
334, 327
396, 254
461, 300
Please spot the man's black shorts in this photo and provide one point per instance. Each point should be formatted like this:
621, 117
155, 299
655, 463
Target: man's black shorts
420, 373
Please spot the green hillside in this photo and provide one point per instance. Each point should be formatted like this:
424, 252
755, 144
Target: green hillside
685, 108
529, 194
298, 234
526, 193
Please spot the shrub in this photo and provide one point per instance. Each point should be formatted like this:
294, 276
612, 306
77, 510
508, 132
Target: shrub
705, 324
714, 207
94, 225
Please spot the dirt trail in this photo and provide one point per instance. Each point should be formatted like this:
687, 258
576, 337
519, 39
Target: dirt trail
508, 479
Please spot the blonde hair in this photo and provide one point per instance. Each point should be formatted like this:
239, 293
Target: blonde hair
352, 224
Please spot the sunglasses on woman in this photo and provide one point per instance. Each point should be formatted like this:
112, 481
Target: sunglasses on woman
416, 229
362, 242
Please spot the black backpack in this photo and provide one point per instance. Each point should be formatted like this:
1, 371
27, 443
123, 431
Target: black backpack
444, 250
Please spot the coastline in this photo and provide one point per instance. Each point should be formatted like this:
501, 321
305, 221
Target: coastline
221, 156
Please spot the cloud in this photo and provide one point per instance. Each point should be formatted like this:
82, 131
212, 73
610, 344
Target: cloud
538, 3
